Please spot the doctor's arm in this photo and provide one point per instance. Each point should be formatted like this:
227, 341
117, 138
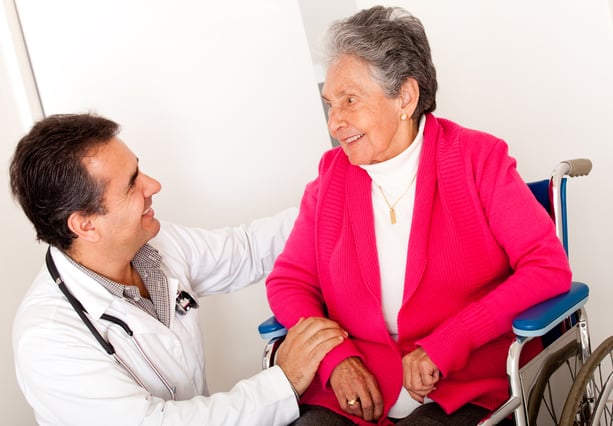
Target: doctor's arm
226, 259
73, 382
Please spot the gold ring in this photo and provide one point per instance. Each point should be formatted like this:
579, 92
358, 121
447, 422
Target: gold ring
352, 402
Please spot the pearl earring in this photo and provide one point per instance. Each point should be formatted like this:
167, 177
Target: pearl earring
403, 117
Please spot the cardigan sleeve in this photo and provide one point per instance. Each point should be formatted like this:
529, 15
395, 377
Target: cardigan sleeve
526, 234
293, 287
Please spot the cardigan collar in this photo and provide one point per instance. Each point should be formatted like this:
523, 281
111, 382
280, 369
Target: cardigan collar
359, 202
425, 189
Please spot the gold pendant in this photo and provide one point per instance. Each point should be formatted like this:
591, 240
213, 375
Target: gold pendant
392, 215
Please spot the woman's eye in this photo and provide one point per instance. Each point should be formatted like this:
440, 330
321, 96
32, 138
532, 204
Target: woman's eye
351, 100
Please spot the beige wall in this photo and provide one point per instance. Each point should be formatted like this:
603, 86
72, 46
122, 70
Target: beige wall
19, 255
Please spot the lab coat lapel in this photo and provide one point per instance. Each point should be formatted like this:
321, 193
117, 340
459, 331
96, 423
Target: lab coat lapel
94, 298
173, 286
97, 300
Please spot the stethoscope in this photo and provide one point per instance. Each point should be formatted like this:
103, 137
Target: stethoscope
184, 303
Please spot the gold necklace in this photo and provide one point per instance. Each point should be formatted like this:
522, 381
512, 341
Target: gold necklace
391, 206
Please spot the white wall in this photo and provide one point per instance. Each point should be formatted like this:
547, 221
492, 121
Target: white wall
19, 254
221, 105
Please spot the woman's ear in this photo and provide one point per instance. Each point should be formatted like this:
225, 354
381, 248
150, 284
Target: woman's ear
409, 95
83, 226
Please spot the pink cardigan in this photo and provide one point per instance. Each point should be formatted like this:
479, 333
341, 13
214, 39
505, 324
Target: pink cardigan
482, 250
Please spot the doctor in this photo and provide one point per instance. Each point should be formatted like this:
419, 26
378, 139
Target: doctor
114, 337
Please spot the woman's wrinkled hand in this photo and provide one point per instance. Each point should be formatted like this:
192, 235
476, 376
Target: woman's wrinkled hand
357, 390
420, 374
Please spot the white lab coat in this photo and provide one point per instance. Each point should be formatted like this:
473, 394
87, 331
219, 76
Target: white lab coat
69, 379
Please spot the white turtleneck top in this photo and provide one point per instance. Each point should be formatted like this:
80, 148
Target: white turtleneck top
396, 179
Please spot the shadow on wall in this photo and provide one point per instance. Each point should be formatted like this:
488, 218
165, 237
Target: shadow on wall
317, 15
333, 141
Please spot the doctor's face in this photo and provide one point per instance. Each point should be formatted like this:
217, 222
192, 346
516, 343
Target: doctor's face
129, 220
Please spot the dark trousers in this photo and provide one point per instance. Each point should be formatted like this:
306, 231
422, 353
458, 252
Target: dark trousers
427, 415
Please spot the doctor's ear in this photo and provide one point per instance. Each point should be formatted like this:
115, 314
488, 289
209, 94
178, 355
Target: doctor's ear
83, 226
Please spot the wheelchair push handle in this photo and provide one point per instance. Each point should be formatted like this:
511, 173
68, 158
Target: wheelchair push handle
574, 167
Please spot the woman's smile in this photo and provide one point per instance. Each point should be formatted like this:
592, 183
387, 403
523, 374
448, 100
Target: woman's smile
354, 138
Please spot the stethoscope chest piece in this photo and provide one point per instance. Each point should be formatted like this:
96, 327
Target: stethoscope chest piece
185, 302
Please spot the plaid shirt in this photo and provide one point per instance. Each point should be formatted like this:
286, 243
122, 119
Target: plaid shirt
147, 263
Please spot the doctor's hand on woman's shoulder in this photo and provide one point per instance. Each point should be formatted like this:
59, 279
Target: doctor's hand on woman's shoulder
305, 346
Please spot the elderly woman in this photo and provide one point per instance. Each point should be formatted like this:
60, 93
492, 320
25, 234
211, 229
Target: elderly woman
418, 236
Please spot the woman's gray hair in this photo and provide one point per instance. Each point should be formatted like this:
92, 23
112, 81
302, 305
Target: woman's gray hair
394, 45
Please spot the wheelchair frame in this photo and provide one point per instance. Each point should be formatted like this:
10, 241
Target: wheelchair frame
526, 395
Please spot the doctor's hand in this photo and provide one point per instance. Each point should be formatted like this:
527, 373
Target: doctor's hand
356, 389
420, 374
304, 347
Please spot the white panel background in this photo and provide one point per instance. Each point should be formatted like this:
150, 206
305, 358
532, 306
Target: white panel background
219, 101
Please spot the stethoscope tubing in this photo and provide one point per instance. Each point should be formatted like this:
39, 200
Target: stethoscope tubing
108, 347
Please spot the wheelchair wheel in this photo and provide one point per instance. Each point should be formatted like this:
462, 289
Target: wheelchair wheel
557, 374
590, 401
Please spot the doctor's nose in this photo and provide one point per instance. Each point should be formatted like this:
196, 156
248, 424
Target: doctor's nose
151, 186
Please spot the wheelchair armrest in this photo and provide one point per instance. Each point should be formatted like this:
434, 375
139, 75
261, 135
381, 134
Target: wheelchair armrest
271, 328
273, 331
535, 321
539, 319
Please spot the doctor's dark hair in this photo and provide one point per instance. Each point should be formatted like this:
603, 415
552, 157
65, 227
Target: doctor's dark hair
48, 175
393, 43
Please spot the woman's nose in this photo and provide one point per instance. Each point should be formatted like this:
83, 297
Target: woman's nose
335, 120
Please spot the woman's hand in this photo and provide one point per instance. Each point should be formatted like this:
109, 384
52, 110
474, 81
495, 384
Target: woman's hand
305, 346
356, 389
420, 374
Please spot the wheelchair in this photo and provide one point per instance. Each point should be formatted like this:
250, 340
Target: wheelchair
565, 383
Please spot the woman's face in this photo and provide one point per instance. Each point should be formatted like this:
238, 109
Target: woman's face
362, 118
